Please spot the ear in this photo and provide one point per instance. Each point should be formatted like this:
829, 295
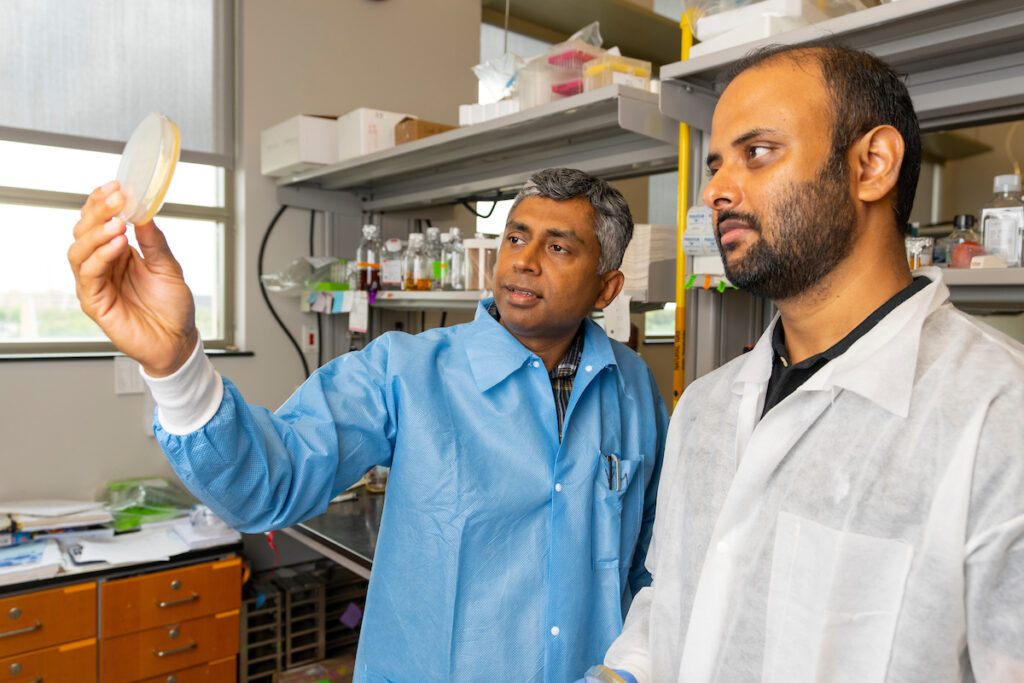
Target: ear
611, 285
878, 156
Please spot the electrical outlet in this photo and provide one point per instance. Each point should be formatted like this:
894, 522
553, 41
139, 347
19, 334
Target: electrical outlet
310, 338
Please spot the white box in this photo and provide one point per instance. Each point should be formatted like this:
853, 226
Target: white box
364, 131
299, 144
720, 23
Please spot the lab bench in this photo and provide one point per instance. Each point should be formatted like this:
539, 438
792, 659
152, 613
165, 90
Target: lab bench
346, 532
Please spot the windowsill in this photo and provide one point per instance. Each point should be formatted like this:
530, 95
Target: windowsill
215, 353
659, 340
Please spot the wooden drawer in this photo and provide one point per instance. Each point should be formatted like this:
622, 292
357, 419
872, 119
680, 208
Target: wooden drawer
141, 602
167, 649
68, 663
220, 671
36, 620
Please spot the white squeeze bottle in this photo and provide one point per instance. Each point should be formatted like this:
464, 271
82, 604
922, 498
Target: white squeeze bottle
1002, 221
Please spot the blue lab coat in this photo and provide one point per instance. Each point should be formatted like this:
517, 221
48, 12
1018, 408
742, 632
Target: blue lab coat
503, 554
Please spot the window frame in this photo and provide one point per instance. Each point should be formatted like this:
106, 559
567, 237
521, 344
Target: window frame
224, 216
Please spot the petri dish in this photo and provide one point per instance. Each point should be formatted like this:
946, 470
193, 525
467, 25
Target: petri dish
147, 165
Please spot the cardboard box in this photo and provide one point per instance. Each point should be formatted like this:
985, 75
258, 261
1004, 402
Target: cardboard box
299, 144
411, 128
365, 131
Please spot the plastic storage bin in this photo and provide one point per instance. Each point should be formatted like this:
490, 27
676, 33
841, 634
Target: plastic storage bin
609, 69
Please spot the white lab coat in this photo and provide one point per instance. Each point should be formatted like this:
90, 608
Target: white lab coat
869, 528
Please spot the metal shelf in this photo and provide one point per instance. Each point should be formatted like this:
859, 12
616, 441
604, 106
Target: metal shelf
964, 60
989, 289
637, 31
432, 301
614, 132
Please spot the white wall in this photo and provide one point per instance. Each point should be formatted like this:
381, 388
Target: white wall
65, 433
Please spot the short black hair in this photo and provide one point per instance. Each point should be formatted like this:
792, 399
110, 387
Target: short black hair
613, 224
865, 92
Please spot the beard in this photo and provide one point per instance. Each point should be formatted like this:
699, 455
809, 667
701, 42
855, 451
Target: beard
811, 228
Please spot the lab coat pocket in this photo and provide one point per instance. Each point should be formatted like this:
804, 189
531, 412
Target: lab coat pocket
618, 503
833, 603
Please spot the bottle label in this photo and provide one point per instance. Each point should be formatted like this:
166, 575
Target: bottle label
1004, 233
391, 272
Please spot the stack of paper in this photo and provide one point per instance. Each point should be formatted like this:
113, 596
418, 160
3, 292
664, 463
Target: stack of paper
44, 515
138, 546
29, 561
650, 244
205, 537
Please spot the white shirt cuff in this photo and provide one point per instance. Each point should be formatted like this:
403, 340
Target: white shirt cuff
187, 399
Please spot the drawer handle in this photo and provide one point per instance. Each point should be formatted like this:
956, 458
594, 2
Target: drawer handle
169, 603
27, 629
165, 653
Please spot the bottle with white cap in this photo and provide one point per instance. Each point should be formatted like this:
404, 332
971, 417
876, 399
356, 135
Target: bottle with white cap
1002, 220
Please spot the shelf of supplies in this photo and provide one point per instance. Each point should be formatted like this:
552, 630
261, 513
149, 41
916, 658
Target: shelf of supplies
637, 31
964, 60
614, 132
432, 301
994, 289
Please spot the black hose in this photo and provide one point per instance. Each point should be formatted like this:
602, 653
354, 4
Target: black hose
263, 289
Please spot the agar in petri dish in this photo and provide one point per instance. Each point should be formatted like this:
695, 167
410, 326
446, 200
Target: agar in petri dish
147, 165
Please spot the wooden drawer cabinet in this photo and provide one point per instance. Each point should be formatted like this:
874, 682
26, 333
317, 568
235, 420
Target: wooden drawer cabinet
169, 648
49, 617
175, 626
214, 672
68, 662
141, 602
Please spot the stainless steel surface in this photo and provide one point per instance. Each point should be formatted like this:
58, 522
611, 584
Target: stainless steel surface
346, 532
179, 650
19, 631
170, 603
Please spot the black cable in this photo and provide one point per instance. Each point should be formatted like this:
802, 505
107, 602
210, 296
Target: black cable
319, 316
474, 211
263, 290
444, 316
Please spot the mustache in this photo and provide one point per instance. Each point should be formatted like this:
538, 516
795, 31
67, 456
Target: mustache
748, 218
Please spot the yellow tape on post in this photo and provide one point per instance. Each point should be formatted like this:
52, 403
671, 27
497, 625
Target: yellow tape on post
685, 26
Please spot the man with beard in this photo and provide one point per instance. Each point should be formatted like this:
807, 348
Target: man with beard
846, 501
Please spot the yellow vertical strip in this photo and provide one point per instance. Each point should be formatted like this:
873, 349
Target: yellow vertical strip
684, 204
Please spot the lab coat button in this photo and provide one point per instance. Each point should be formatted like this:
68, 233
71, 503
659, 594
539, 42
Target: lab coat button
589, 368
558, 487
536, 364
554, 630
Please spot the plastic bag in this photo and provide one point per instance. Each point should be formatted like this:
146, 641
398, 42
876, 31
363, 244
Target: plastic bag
336, 275
136, 501
496, 75
591, 33
291, 280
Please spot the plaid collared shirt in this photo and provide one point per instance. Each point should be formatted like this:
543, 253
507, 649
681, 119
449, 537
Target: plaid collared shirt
562, 375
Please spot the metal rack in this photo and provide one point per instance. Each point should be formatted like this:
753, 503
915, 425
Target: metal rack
614, 132
964, 60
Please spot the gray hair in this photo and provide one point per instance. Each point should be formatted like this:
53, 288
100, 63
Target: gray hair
613, 223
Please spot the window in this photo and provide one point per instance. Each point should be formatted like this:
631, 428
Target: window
75, 101
660, 325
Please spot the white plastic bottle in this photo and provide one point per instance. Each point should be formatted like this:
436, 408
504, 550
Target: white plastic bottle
391, 265
1002, 221
455, 261
432, 248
